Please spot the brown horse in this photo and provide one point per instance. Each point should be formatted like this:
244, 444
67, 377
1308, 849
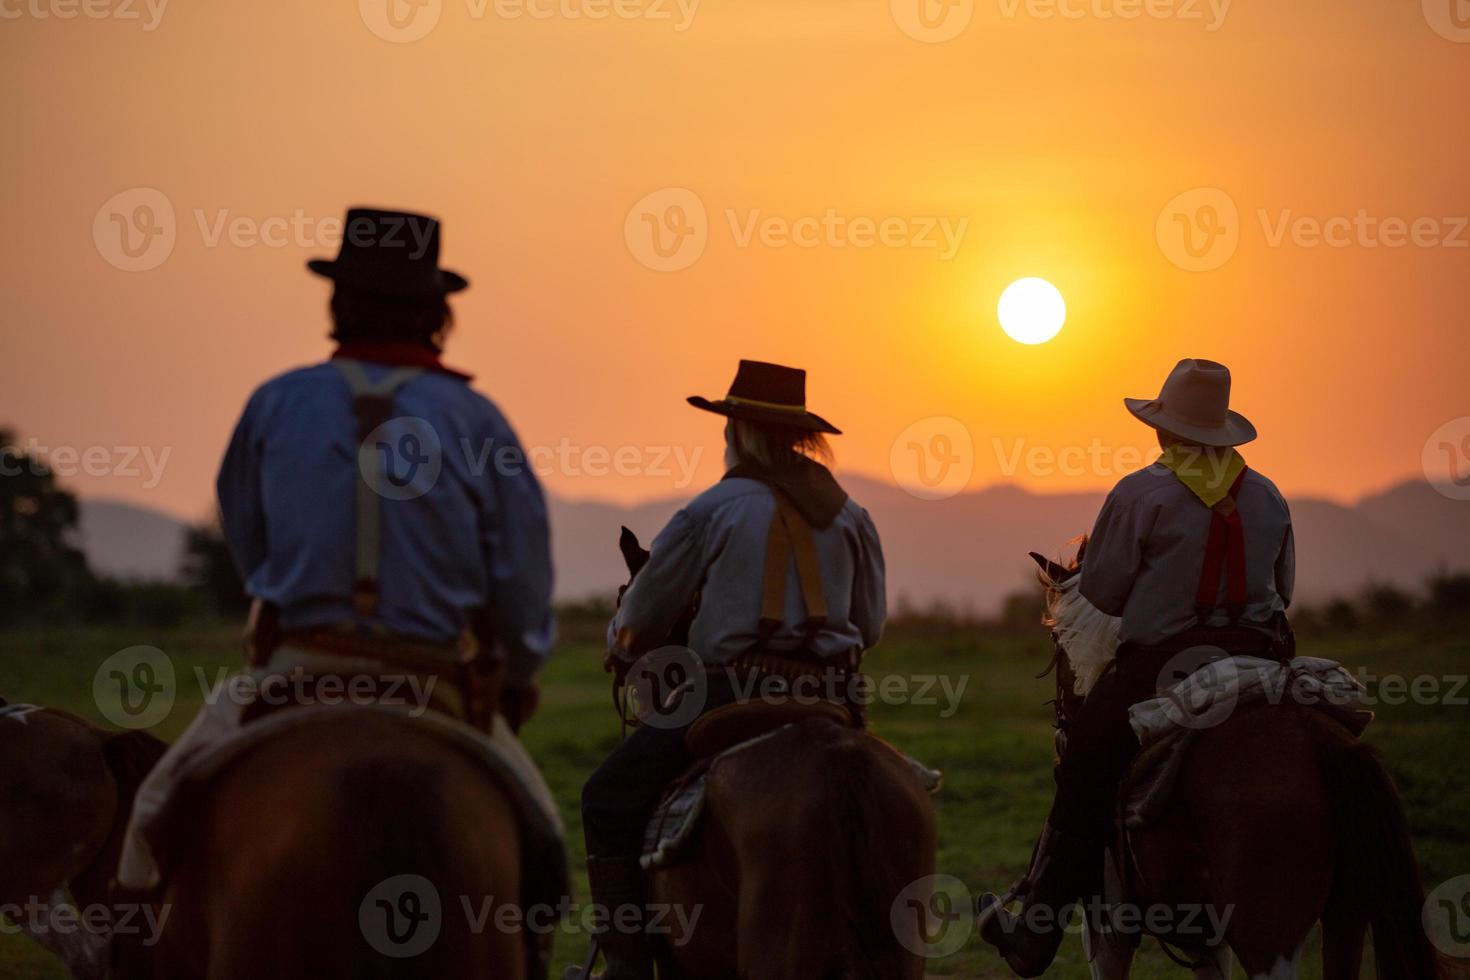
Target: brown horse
1281, 818
807, 840
67, 788
358, 846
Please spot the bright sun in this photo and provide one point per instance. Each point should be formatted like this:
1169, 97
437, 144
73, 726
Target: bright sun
1031, 311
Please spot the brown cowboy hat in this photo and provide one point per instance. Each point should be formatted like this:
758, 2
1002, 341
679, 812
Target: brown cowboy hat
1194, 405
391, 252
770, 393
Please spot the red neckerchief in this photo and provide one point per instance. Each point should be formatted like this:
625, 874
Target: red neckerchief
397, 353
1225, 545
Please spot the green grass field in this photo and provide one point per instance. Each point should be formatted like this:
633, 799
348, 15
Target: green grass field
995, 750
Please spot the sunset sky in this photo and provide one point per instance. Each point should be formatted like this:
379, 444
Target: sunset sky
1041, 139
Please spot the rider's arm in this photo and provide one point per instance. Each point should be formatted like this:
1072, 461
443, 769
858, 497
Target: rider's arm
1286, 567
242, 517
1114, 554
869, 596
662, 591
517, 548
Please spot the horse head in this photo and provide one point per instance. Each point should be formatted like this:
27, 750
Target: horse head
635, 556
1086, 638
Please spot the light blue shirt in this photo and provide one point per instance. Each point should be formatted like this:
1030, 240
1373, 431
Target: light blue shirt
716, 546
472, 535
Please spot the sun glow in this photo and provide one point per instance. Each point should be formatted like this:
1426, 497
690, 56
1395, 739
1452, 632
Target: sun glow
1031, 311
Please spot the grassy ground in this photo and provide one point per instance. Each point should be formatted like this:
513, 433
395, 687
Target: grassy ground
995, 750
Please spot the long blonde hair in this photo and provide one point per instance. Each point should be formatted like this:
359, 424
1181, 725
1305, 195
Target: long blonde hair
773, 447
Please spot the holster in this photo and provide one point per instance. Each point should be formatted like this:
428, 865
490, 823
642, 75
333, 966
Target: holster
262, 632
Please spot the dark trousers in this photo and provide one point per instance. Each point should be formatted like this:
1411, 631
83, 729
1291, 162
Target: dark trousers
1101, 744
619, 797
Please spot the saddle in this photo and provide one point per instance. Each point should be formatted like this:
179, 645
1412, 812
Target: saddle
725, 727
675, 820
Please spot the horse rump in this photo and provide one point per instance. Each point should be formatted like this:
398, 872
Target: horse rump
1376, 882
840, 829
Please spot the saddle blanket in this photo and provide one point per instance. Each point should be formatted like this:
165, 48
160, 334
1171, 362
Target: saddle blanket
1168, 725
217, 739
674, 821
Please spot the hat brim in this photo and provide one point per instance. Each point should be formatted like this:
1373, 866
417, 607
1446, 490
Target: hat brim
809, 421
445, 282
1236, 430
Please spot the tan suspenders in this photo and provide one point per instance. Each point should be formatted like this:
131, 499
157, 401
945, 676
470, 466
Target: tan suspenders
372, 403
791, 535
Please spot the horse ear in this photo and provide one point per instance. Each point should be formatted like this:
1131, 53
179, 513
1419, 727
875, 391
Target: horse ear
1049, 568
634, 554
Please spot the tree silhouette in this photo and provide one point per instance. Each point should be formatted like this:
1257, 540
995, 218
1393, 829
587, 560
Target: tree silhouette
40, 565
209, 568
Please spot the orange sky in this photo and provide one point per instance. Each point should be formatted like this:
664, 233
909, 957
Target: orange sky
1054, 141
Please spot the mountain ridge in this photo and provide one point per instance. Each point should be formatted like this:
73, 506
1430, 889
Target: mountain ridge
968, 551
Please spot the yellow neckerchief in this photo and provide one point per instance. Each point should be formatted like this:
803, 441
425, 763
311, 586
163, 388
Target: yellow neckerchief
1208, 475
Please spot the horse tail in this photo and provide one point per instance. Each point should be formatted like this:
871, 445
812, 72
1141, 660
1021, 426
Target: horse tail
1376, 877
878, 840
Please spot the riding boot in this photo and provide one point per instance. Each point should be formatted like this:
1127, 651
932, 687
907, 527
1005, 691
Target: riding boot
616, 884
1064, 869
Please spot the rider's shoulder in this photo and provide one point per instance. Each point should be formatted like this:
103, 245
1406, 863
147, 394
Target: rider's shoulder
1148, 482
731, 491
1259, 479
295, 380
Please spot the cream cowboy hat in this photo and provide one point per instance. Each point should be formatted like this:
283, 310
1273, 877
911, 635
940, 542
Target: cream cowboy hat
1194, 405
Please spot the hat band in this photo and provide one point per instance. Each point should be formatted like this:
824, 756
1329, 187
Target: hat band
773, 406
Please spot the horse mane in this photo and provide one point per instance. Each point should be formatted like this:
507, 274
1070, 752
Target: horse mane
1087, 636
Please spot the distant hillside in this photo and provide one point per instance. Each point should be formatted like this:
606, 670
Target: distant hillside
127, 541
969, 550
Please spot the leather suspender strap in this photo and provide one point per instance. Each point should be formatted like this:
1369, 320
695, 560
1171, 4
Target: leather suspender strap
791, 535
1225, 546
372, 404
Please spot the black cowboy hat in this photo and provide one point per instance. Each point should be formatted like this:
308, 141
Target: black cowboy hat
769, 393
392, 252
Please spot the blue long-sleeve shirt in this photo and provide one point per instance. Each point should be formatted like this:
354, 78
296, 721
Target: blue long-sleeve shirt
474, 534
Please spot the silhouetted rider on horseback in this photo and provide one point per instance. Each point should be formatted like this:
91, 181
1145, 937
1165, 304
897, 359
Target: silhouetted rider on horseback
1194, 551
361, 522
789, 574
